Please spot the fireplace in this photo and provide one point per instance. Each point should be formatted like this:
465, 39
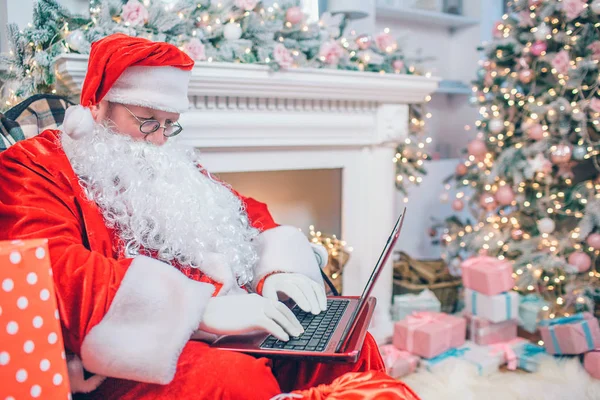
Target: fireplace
247, 119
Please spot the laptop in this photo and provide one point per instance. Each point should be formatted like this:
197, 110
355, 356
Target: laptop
336, 334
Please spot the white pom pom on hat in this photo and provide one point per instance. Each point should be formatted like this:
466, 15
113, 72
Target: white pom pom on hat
78, 122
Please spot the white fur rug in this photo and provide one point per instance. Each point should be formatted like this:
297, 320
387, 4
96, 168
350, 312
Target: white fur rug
557, 379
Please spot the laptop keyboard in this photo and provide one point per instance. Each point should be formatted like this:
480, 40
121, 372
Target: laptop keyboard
317, 328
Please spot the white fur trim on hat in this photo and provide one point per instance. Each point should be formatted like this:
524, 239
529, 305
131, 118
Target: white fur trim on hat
78, 121
159, 88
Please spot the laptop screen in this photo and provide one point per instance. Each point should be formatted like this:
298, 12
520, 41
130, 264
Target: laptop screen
387, 250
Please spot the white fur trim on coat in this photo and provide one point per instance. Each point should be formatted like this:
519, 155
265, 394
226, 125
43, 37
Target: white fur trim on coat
159, 88
285, 249
153, 314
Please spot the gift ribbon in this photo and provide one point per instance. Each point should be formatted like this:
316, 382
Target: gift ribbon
532, 298
553, 323
509, 353
447, 354
391, 355
508, 304
418, 319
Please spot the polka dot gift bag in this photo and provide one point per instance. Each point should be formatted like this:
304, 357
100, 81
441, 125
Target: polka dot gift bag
32, 357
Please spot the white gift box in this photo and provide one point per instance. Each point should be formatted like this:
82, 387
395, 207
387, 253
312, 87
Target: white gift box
405, 304
497, 308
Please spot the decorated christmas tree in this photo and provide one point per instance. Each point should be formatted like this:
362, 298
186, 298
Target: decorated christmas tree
275, 33
530, 176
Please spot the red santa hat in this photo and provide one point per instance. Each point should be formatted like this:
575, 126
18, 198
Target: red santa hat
131, 70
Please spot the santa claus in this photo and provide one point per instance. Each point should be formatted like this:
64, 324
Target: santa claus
148, 249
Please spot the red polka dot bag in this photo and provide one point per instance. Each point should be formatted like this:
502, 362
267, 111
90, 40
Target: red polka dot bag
32, 357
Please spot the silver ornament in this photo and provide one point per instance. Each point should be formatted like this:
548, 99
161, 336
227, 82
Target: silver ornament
595, 7
579, 152
496, 125
542, 31
546, 225
75, 40
232, 31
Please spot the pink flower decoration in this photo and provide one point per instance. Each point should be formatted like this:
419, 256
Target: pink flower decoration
595, 48
134, 13
246, 4
385, 42
331, 52
282, 56
595, 105
195, 49
561, 62
573, 8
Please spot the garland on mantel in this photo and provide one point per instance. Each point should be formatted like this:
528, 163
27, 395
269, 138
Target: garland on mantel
242, 31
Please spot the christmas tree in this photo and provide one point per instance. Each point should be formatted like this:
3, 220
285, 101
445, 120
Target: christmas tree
530, 177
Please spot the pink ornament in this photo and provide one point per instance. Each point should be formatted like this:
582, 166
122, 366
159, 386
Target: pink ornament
398, 65
134, 13
526, 75
505, 195
282, 56
487, 202
477, 148
561, 153
294, 15
560, 62
363, 42
595, 105
458, 205
535, 131
580, 260
461, 169
497, 30
517, 234
573, 8
538, 48
593, 240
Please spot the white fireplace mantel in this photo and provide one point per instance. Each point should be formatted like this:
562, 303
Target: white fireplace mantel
248, 118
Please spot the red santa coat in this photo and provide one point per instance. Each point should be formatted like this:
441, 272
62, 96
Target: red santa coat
126, 317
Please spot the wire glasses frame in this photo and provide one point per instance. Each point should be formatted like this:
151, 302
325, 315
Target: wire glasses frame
151, 125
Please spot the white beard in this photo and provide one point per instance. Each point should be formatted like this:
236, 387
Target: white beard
156, 198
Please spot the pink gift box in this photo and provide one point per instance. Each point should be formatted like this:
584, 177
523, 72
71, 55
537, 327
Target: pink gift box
484, 332
591, 363
487, 275
428, 334
398, 363
575, 334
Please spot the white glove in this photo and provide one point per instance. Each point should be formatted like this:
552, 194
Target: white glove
308, 294
232, 315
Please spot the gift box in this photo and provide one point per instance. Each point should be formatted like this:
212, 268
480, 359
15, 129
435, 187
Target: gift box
32, 357
430, 363
529, 357
489, 358
406, 304
575, 334
591, 363
529, 309
484, 332
487, 275
398, 363
428, 334
497, 308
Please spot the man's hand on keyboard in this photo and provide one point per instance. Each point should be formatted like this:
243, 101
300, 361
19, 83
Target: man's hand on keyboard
309, 295
231, 315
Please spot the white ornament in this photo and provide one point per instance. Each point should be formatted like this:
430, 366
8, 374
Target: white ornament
595, 6
232, 31
75, 40
542, 31
546, 225
496, 125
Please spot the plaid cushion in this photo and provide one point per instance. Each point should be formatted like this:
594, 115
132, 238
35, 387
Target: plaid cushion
31, 117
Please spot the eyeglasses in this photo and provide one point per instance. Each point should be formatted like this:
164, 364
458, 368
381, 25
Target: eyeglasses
151, 125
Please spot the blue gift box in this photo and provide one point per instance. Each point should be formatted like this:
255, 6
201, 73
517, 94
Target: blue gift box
529, 309
529, 357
